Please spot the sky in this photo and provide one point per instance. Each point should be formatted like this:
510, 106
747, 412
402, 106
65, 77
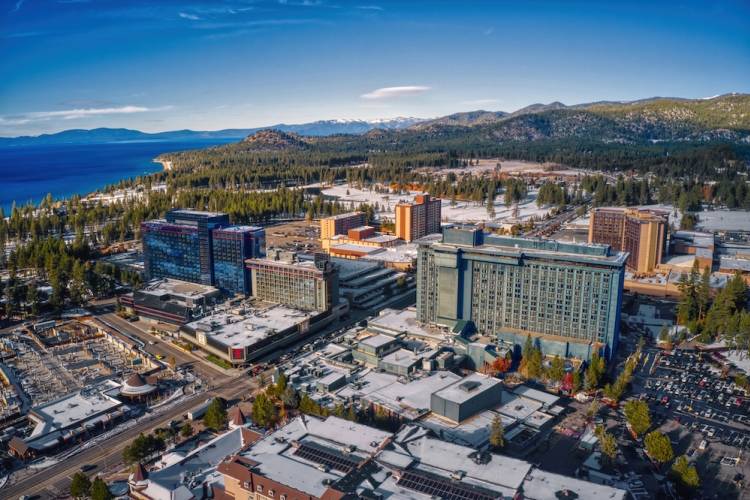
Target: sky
208, 65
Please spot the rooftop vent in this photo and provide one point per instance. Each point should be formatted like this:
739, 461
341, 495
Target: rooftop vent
470, 385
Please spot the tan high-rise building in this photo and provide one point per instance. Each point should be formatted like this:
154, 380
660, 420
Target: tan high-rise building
339, 224
418, 219
640, 232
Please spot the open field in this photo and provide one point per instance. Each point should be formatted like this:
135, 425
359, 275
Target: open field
462, 211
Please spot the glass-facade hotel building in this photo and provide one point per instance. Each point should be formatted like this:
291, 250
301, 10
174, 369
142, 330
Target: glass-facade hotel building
231, 246
182, 246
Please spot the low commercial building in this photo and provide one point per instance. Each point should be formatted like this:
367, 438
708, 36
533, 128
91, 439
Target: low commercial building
188, 475
171, 301
467, 397
333, 459
70, 419
695, 243
308, 458
247, 334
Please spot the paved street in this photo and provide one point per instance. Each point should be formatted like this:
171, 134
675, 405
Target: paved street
56, 479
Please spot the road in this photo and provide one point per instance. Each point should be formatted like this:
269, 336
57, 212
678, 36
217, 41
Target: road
56, 478
548, 227
203, 368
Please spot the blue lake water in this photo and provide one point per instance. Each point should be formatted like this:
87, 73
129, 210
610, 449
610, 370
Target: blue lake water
29, 173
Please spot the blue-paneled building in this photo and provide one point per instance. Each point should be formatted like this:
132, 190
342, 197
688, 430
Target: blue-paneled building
231, 246
566, 296
184, 246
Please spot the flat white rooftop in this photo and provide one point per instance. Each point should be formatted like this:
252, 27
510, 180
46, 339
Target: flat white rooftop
177, 288
542, 396
403, 358
75, 408
412, 398
542, 485
235, 330
403, 321
443, 457
467, 388
376, 341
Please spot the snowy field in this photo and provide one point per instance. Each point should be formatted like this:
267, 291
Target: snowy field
462, 211
510, 167
724, 220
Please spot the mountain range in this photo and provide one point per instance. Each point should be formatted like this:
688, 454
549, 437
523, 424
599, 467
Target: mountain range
106, 135
657, 119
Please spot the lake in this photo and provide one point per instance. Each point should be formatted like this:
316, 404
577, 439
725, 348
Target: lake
28, 173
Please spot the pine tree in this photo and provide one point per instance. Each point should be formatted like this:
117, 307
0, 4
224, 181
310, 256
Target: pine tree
80, 485
497, 433
216, 415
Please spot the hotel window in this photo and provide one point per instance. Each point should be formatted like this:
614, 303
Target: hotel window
259, 488
270, 493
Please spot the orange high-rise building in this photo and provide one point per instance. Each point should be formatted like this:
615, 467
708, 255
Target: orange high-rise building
339, 224
418, 219
640, 232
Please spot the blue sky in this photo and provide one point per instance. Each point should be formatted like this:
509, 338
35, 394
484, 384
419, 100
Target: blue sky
224, 64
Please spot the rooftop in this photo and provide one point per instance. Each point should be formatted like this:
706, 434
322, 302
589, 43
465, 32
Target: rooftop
240, 229
244, 330
467, 388
186, 475
508, 246
302, 454
401, 357
542, 485
353, 248
195, 213
734, 264
376, 341
343, 216
177, 288
397, 321
74, 409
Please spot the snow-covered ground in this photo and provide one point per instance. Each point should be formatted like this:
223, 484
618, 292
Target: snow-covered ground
724, 220
462, 211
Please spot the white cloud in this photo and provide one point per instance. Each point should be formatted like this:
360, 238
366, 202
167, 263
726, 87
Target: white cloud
370, 7
391, 92
72, 114
17, 6
191, 17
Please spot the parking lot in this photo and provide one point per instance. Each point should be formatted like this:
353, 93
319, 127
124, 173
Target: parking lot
685, 385
705, 415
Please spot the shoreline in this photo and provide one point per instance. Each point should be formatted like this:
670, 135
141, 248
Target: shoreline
165, 164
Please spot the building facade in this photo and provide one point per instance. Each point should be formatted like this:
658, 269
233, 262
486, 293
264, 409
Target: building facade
642, 233
200, 247
566, 296
339, 224
180, 245
305, 285
231, 247
418, 219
